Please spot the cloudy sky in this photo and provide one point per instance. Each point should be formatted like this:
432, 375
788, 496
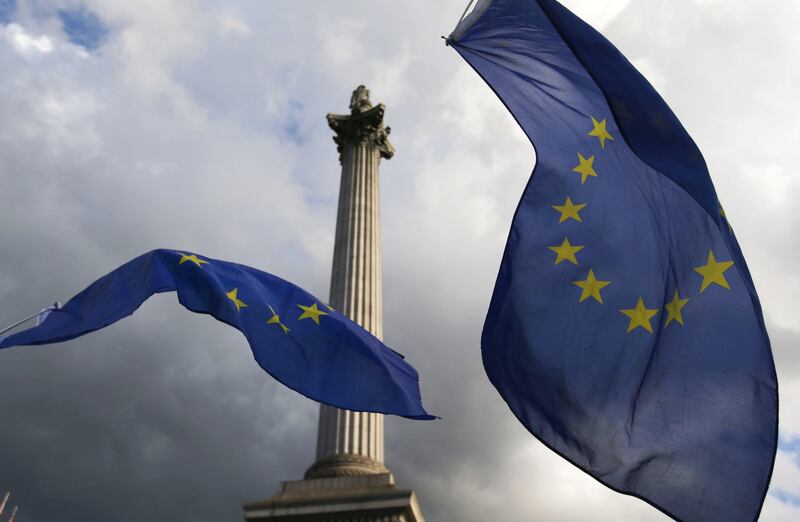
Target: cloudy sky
199, 124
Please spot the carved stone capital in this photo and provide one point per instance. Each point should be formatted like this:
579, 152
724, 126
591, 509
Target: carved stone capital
364, 125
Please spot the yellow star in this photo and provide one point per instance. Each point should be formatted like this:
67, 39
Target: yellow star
640, 316
591, 288
311, 312
725, 217
585, 167
674, 309
569, 211
601, 132
277, 320
714, 272
192, 259
233, 296
566, 252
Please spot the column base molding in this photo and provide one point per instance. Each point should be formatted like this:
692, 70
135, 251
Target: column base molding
345, 465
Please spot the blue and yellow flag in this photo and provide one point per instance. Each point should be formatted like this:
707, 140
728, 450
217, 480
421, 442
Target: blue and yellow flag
295, 337
624, 330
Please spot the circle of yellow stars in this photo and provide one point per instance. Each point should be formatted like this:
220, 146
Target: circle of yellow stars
640, 316
311, 311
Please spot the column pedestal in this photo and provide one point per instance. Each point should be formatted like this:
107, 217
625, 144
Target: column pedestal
364, 498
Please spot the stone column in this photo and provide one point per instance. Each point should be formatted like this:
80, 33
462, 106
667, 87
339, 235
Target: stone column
349, 482
351, 443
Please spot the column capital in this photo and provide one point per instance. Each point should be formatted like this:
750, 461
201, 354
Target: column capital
364, 125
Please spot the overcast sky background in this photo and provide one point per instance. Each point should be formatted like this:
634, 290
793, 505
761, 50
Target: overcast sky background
199, 125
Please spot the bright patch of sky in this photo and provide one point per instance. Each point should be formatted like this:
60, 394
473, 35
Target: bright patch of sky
7, 8
292, 128
83, 27
786, 498
785, 485
792, 445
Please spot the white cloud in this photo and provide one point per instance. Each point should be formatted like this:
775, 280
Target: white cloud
25, 43
230, 24
598, 14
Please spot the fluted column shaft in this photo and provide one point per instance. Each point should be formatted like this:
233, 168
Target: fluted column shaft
356, 273
356, 292
348, 442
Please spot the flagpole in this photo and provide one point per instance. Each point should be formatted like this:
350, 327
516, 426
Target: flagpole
55, 306
445, 38
6, 329
465, 11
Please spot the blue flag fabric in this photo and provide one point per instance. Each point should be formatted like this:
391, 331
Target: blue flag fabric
295, 337
624, 330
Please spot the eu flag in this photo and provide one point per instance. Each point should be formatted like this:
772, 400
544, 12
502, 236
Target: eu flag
624, 330
295, 337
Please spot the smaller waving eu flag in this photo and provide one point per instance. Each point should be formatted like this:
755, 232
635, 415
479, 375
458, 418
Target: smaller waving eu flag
295, 337
624, 330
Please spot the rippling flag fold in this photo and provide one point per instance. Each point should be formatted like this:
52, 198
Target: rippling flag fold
624, 329
296, 338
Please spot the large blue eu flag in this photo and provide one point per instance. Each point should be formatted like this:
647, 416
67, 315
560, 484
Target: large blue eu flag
295, 337
624, 330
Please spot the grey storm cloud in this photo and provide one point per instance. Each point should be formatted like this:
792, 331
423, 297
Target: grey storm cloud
200, 126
